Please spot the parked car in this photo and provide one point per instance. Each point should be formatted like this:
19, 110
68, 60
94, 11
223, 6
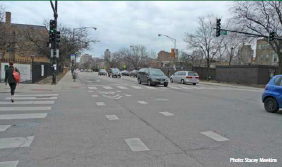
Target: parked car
114, 72
102, 72
152, 76
272, 95
133, 73
184, 77
124, 73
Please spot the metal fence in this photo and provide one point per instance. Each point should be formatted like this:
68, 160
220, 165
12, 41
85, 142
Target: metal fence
40, 71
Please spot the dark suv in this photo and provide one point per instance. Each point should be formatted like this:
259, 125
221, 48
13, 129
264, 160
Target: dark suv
152, 76
114, 72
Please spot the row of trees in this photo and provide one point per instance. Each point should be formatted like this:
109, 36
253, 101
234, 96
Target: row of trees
257, 17
135, 57
27, 40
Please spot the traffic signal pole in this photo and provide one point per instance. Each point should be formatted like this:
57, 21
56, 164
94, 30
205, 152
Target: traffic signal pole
54, 43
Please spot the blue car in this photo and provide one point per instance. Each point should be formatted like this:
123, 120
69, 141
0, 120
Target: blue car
272, 95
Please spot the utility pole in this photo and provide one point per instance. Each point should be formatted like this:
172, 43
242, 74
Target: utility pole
54, 49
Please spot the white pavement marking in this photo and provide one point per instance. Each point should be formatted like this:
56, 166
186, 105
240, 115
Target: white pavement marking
16, 142
107, 87
127, 95
112, 117
90, 91
214, 136
24, 108
22, 116
28, 102
136, 144
167, 113
162, 99
136, 87
173, 87
9, 164
4, 127
38, 95
118, 91
32, 98
94, 95
186, 87
149, 87
100, 103
122, 87
142, 102
92, 88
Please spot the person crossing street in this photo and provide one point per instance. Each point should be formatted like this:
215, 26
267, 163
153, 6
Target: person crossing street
11, 78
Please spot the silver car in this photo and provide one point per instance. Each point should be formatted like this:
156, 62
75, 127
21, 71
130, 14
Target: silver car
184, 77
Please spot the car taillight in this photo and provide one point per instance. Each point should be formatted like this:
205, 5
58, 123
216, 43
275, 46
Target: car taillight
197, 77
189, 77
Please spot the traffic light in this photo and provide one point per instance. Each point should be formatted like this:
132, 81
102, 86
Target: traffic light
58, 38
52, 30
271, 36
218, 27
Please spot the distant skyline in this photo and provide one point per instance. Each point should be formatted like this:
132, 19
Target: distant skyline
123, 23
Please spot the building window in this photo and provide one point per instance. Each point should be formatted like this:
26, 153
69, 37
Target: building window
275, 58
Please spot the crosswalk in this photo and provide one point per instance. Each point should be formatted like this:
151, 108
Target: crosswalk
172, 87
26, 106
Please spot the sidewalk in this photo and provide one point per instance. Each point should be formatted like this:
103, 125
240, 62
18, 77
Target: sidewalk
66, 83
231, 85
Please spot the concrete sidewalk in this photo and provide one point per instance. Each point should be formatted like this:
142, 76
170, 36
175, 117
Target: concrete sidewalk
231, 85
66, 83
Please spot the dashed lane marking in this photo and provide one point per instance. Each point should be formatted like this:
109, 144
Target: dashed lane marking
142, 102
136, 87
100, 103
136, 144
4, 127
214, 136
122, 87
127, 95
112, 117
92, 88
16, 142
165, 113
22, 116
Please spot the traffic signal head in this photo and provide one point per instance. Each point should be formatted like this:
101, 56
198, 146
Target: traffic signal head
52, 30
58, 37
271, 36
218, 27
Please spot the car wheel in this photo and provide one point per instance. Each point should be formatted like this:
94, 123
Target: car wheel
150, 83
194, 83
166, 84
139, 81
270, 105
171, 80
182, 81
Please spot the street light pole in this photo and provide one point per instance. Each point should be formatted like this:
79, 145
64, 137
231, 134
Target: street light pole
174, 42
53, 43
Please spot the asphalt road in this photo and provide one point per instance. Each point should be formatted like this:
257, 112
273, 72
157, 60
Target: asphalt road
115, 122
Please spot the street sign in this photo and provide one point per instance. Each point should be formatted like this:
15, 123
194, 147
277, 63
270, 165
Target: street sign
72, 57
223, 32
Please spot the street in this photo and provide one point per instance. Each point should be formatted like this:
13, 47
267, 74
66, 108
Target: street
106, 122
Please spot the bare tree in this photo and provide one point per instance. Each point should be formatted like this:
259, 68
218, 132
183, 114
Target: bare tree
138, 56
204, 39
261, 17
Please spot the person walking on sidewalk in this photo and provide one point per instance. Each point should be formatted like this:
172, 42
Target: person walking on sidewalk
9, 77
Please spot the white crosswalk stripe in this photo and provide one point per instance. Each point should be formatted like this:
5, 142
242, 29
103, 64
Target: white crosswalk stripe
27, 102
24, 108
174, 87
92, 88
136, 87
122, 87
149, 87
32, 98
9, 164
16, 142
22, 116
4, 127
38, 95
107, 87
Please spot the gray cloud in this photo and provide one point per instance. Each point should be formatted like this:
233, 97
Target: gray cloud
121, 24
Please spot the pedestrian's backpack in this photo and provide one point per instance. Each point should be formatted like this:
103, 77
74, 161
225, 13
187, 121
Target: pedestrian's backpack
16, 75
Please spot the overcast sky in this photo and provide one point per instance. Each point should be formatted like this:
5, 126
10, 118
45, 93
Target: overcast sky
122, 23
